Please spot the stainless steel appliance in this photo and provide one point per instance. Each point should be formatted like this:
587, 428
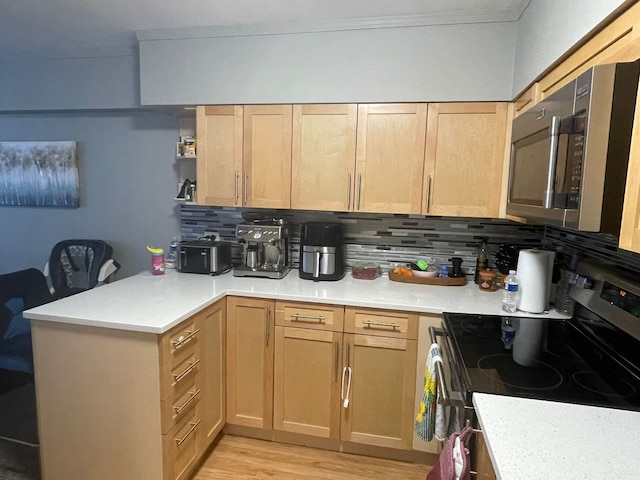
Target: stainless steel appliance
569, 153
266, 249
592, 358
204, 256
321, 251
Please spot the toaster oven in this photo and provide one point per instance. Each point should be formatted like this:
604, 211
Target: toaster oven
204, 256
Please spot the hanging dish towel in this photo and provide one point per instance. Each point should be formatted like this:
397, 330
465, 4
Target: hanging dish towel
453, 462
425, 425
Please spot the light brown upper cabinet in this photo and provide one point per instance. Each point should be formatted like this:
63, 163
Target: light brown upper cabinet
464, 159
323, 159
266, 180
219, 166
390, 158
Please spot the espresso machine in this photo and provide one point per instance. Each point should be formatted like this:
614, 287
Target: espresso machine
266, 250
321, 251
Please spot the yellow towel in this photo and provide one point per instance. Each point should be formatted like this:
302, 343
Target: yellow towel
425, 425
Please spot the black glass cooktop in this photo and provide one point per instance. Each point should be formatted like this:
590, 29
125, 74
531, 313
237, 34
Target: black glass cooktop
582, 360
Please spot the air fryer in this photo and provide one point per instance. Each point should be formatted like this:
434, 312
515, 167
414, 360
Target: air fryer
321, 251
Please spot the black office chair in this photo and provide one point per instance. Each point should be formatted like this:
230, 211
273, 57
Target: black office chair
78, 265
19, 291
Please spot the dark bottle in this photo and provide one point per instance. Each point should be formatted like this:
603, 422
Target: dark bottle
482, 261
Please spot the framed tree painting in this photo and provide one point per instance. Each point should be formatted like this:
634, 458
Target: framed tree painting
39, 174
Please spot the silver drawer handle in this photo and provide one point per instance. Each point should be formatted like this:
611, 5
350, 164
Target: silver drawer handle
192, 395
371, 324
184, 338
180, 441
180, 376
297, 317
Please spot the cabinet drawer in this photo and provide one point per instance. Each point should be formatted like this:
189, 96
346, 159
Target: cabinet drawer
175, 377
309, 315
180, 446
180, 402
381, 322
180, 342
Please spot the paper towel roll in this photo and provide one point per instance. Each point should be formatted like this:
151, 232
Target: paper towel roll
535, 268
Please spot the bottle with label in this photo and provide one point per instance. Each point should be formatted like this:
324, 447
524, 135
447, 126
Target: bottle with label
482, 262
507, 332
172, 258
510, 292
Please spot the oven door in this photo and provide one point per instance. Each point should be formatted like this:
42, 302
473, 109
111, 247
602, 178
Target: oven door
452, 393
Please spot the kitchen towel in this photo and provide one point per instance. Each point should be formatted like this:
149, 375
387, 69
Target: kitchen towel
425, 425
535, 268
453, 462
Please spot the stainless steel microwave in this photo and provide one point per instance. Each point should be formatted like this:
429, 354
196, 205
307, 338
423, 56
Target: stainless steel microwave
569, 153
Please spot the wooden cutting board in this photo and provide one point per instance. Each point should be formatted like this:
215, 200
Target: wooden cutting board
451, 282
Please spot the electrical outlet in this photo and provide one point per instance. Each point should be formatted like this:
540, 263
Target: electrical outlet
215, 235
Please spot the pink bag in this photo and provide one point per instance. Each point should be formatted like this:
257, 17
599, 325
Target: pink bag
453, 463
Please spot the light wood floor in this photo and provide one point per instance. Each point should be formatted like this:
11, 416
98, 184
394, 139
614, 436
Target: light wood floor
241, 458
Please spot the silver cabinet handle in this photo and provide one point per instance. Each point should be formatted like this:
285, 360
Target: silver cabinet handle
359, 191
547, 201
297, 317
349, 192
235, 193
180, 376
337, 360
427, 201
180, 408
372, 324
180, 441
182, 339
268, 326
244, 188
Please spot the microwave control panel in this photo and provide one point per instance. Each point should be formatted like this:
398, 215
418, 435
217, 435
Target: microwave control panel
570, 156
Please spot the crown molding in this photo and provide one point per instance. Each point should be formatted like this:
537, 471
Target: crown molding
462, 17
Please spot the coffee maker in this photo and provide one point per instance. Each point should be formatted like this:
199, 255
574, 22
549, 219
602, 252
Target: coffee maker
321, 251
266, 250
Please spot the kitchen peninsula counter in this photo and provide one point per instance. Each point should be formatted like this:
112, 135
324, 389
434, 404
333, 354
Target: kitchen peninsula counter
532, 439
155, 304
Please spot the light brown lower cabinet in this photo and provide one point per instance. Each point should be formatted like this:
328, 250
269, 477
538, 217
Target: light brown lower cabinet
484, 467
250, 341
137, 405
380, 378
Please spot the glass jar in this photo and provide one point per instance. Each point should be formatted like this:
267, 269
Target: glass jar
487, 280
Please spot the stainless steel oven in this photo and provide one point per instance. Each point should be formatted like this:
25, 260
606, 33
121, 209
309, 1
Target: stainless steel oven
592, 358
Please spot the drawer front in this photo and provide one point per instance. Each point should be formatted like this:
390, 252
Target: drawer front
180, 403
180, 342
384, 323
181, 449
308, 315
175, 377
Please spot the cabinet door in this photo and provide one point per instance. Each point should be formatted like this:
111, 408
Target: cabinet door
390, 158
381, 391
219, 164
307, 374
250, 329
267, 156
465, 158
323, 158
630, 226
212, 325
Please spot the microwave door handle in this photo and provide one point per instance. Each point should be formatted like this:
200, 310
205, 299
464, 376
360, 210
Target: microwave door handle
547, 201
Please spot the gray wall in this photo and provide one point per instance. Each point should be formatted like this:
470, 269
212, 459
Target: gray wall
127, 183
419, 63
548, 28
109, 81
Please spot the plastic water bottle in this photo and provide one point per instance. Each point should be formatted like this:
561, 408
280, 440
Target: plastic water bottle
172, 258
510, 292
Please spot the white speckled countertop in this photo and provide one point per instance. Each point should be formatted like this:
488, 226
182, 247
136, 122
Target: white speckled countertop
535, 439
154, 304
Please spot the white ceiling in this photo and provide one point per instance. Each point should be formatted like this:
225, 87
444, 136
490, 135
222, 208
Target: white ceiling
31, 28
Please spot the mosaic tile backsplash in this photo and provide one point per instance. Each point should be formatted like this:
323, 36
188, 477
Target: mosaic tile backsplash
385, 239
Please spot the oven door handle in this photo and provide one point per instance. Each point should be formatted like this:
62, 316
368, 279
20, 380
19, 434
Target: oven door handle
446, 398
